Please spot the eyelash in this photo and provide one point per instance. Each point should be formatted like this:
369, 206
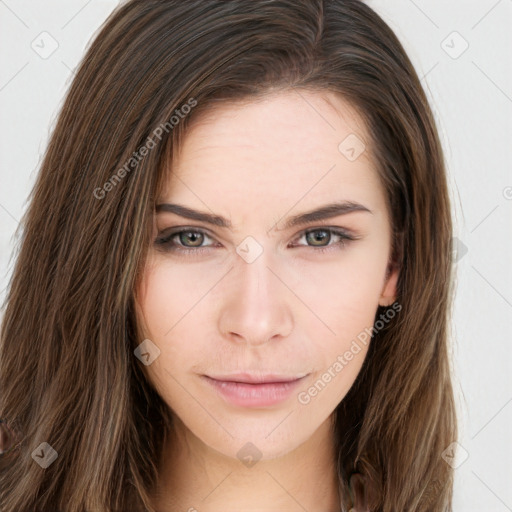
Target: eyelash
166, 244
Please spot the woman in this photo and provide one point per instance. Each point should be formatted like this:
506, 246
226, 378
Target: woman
234, 282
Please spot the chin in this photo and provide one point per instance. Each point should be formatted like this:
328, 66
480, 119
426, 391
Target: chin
266, 440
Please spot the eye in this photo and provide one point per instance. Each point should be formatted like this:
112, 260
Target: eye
321, 238
190, 240
183, 240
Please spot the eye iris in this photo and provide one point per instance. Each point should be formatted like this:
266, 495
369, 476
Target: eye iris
195, 236
318, 236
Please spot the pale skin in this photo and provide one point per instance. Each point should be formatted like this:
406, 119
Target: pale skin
291, 311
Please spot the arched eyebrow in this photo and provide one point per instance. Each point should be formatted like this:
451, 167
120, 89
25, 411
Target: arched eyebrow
322, 213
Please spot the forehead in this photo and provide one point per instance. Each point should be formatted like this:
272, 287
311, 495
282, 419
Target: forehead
276, 151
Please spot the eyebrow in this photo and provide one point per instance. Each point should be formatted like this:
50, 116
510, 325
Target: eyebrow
324, 212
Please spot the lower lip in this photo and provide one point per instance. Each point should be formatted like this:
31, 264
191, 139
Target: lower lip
254, 395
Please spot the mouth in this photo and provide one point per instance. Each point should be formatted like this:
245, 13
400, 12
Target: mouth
247, 390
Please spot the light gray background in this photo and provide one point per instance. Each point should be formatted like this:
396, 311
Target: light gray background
471, 94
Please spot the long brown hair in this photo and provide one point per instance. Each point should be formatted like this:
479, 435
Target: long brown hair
68, 374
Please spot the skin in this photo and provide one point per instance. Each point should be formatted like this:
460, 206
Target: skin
293, 310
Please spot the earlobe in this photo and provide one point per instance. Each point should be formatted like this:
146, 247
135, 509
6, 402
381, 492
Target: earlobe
389, 290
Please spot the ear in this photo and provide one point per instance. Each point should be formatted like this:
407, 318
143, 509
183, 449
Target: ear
389, 289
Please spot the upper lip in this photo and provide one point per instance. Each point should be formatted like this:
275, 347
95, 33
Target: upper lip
256, 378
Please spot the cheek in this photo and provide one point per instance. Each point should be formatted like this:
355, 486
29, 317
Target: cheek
169, 294
344, 296
174, 313
344, 293
161, 308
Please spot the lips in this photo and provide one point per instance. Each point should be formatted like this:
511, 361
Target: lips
252, 390
248, 378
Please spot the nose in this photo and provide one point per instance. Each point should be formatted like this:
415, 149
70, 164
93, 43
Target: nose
255, 307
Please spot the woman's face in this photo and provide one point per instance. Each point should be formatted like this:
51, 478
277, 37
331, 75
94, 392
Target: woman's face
261, 317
